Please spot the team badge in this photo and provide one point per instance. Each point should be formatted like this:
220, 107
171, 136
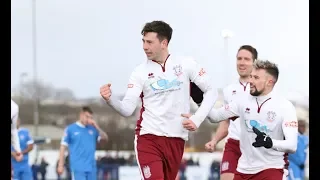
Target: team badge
225, 166
146, 172
177, 70
271, 116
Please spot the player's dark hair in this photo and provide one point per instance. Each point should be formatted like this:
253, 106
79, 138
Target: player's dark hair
251, 49
270, 67
87, 109
163, 30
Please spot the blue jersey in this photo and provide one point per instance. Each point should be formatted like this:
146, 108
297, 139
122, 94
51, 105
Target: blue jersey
25, 139
81, 141
300, 156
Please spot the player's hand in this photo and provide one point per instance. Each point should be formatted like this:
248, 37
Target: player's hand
92, 122
60, 169
105, 92
210, 146
18, 157
188, 124
262, 140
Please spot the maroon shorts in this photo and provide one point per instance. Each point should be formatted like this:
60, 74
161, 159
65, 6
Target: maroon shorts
231, 155
268, 174
158, 157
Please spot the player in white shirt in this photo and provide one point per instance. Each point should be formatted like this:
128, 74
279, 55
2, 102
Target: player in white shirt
14, 130
163, 85
269, 126
231, 129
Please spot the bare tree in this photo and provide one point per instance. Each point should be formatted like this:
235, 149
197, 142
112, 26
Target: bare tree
64, 94
45, 90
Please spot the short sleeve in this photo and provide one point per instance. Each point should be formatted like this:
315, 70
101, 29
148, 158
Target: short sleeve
66, 137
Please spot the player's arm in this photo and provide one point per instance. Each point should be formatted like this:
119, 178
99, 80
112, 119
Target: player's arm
222, 130
14, 133
228, 111
14, 154
290, 131
65, 141
29, 142
100, 133
198, 76
128, 104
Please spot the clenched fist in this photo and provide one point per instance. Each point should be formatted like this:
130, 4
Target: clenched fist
105, 92
187, 123
210, 146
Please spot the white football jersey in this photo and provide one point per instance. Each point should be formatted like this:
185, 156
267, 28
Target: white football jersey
165, 94
271, 114
234, 92
14, 132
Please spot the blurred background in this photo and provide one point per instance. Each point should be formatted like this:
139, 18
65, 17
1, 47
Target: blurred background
63, 51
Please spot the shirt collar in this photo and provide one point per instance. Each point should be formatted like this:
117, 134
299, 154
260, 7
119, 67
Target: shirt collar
81, 125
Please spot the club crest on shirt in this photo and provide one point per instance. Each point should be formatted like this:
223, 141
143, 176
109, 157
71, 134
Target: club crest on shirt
177, 70
225, 166
247, 110
22, 137
90, 132
146, 172
234, 92
271, 116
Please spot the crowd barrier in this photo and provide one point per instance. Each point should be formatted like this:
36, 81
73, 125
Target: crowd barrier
132, 173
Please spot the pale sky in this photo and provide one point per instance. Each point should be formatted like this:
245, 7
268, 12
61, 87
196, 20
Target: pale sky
84, 44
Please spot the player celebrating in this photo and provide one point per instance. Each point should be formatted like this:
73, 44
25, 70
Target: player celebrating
268, 126
81, 138
163, 84
22, 170
245, 58
298, 159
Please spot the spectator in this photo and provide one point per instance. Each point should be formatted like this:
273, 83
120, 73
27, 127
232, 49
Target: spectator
43, 168
34, 169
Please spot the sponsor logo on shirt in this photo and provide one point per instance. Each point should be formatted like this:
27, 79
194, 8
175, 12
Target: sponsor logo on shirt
291, 124
164, 85
254, 123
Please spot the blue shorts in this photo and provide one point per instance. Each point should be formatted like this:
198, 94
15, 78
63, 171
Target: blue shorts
22, 174
295, 173
82, 175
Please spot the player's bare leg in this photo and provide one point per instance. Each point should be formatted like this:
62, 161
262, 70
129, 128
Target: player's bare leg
227, 176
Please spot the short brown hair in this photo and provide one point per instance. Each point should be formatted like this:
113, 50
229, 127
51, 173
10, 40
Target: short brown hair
87, 109
163, 30
270, 67
251, 49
